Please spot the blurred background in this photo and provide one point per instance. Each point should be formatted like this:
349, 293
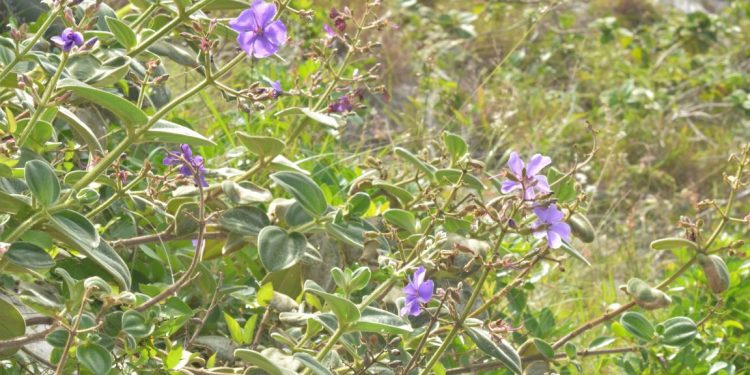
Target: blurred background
661, 89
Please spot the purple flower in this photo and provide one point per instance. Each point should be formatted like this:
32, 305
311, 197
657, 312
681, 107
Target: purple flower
67, 39
526, 177
188, 163
418, 292
259, 35
343, 104
329, 31
551, 225
277, 90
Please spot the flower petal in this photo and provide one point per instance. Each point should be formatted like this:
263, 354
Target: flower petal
411, 308
410, 291
528, 194
553, 239
77, 38
536, 164
276, 33
509, 186
58, 40
187, 152
264, 12
418, 276
542, 185
246, 42
562, 229
425, 291
245, 21
515, 164
263, 47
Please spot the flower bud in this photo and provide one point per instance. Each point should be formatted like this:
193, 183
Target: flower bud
68, 16
582, 228
716, 272
645, 296
673, 243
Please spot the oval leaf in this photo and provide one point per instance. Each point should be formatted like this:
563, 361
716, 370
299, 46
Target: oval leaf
502, 351
12, 325
170, 132
304, 190
95, 358
123, 33
246, 221
42, 182
120, 107
345, 311
28, 255
278, 249
262, 146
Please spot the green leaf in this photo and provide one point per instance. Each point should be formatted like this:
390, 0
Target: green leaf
185, 221
28, 255
135, 324
346, 312
402, 219
169, 132
455, 146
75, 230
175, 52
266, 147
42, 182
358, 204
601, 342
245, 193
120, 107
405, 154
244, 220
254, 358
544, 348
315, 116
673, 243
80, 128
453, 175
637, 325
304, 190
570, 350
679, 331
12, 325
278, 249
311, 363
95, 358
87, 68
234, 328
575, 253
403, 195
123, 33
12, 204
381, 321
565, 190
502, 351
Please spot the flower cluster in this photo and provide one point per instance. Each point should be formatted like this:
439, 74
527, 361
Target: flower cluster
259, 34
68, 39
190, 166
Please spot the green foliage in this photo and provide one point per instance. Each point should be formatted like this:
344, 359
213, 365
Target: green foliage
356, 215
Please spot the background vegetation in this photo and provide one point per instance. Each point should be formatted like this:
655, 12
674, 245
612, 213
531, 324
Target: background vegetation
661, 95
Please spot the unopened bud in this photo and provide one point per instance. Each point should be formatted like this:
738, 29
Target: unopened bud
161, 79
69, 19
